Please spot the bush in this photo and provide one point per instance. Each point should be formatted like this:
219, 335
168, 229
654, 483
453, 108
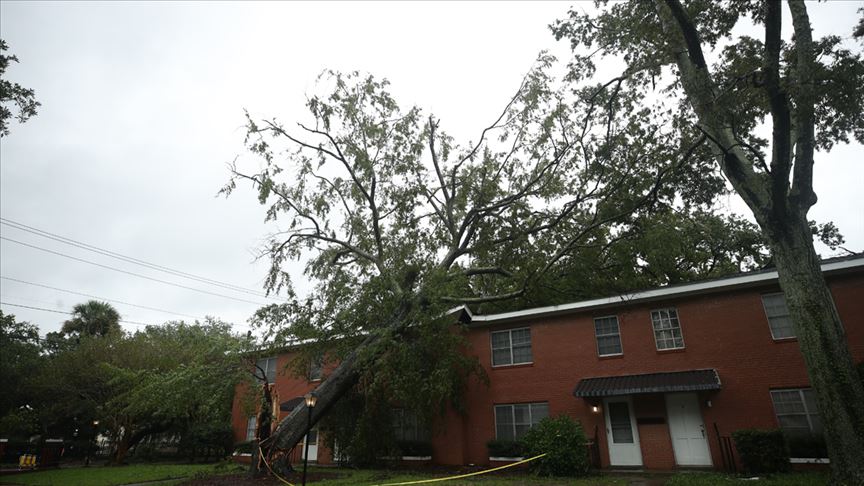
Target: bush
505, 448
563, 441
415, 448
145, 452
762, 451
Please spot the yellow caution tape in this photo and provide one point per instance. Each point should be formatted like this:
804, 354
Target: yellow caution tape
465, 475
280, 478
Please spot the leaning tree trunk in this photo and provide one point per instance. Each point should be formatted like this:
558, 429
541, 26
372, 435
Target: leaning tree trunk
296, 424
822, 339
293, 427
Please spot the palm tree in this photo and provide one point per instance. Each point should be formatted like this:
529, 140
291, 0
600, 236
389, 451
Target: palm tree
92, 318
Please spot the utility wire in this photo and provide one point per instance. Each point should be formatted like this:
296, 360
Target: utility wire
129, 273
128, 259
100, 298
66, 312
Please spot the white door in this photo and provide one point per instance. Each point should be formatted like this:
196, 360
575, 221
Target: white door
689, 438
621, 433
312, 437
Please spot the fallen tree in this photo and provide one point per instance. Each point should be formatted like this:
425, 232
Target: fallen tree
401, 224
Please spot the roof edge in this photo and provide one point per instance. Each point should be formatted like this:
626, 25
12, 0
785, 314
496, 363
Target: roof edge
694, 288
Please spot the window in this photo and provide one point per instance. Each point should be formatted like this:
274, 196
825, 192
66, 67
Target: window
269, 367
512, 421
799, 420
250, 427
778, 316
316, 366
406, 426
511, 347
608, 336
667, 329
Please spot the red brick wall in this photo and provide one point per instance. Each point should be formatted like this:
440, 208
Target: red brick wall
727, 331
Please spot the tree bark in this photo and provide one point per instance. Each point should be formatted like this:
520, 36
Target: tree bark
294, 427
781, 213
822, 339
296, 424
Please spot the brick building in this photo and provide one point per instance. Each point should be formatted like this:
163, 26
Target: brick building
657, 378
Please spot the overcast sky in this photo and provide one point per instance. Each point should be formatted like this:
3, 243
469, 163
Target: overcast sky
142, 108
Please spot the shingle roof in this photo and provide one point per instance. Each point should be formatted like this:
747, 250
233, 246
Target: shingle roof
676, 381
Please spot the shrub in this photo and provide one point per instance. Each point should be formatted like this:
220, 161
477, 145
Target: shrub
505, 448
415, 447
563, 441
762, 451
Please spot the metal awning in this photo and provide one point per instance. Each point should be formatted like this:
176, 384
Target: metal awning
676, 381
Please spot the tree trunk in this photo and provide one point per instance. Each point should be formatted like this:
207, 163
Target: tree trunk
822, 339
122, 448
292, 428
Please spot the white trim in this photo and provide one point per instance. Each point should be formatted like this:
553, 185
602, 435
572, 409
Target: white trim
416, 458
506, 459
747, 279
809, 460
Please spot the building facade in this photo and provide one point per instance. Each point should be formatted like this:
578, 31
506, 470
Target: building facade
659, 379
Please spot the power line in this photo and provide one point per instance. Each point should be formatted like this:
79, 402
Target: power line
100, 298
67, 313
128, 259
129, 273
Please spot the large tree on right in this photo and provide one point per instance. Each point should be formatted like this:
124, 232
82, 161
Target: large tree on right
766, 109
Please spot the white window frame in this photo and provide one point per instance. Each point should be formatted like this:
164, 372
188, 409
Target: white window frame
510, 340
769, 317
251, 425
512, 407
267, 368
617, 333
654, 329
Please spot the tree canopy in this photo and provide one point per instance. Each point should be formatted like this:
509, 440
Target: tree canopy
11, 93
766, 109
400, 222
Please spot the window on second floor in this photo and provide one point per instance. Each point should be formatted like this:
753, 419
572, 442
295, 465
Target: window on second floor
512, 346
667, 329
779, 319
513, 421
608, 336
268, 366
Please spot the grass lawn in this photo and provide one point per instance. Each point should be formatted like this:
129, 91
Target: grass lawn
373, 477
113, 475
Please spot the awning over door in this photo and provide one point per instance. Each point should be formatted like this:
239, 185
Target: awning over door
676, 381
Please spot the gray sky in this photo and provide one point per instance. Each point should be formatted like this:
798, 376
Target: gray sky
142, 108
